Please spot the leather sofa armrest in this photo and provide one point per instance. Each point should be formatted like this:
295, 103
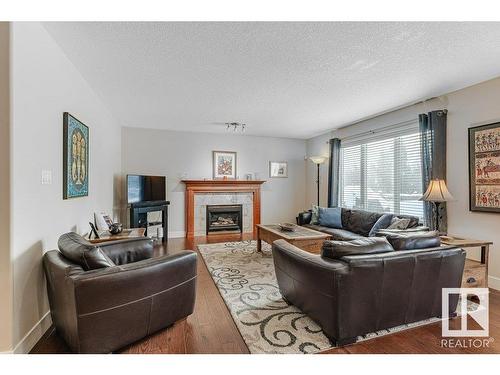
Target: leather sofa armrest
110, 287
128, 250
308, 269
304, 217
60, 272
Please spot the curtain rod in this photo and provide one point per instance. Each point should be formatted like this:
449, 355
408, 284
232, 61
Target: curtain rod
394, 109
380, 130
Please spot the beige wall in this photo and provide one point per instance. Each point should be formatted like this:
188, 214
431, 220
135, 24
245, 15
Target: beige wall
177, 154
44, 85
475, 105
5, 264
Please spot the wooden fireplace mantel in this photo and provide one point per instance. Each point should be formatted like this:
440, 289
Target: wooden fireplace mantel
220, 186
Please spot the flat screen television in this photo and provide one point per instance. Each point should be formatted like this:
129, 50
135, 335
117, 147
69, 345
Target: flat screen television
145, 188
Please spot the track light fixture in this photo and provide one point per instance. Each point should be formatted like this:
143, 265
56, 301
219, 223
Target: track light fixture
235, 127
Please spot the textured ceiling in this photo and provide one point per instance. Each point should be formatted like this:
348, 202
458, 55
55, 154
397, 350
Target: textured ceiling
281, 79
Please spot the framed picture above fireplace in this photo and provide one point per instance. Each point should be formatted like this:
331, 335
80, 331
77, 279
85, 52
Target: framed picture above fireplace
224, 164
484, 168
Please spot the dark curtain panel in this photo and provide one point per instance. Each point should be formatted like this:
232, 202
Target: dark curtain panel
334, 173
433, 146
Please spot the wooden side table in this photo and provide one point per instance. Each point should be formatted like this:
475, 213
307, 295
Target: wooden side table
105, 236
475, 273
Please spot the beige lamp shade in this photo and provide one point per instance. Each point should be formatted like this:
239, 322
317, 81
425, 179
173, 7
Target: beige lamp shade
317, 159
437, 192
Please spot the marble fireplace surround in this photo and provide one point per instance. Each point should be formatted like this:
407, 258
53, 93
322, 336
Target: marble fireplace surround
199, 193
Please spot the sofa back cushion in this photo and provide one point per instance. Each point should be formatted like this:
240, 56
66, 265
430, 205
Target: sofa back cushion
413, 240
359, 221
363, 246
330, 217
75, 248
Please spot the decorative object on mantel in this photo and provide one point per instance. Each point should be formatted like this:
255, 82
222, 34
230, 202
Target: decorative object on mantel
75, 157
224, 164
249, 177
194, 187
437, 192
317, 160
278, 169
484, 168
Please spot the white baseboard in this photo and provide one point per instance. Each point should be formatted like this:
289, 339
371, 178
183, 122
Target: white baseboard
176, 234
494, 282
34, 335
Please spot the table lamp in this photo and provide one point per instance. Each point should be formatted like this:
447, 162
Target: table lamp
436, 193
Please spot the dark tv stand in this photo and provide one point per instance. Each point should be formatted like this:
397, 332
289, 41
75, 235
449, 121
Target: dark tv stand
139, 215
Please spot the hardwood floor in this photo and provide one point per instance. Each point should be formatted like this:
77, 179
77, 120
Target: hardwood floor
210, 329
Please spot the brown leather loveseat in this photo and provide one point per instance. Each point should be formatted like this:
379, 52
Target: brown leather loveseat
103, 297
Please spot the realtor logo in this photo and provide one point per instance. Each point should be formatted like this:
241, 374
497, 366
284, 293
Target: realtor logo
479, 315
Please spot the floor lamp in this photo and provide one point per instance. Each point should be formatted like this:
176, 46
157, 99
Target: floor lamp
317, 160
437, 192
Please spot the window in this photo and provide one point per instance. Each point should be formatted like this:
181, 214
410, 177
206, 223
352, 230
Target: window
383, 173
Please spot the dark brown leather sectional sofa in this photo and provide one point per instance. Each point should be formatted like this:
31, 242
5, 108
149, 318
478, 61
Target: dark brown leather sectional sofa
356, 288
355, 223
107, 296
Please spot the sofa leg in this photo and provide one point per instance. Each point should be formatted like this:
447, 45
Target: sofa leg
343, 342
451, 315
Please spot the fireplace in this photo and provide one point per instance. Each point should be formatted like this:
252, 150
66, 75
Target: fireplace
226, 217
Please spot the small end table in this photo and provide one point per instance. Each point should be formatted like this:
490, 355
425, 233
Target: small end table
475, 273
126, 234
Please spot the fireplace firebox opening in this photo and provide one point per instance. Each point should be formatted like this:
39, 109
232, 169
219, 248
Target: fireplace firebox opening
225, 217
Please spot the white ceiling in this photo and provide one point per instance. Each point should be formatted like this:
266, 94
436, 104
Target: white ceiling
281, 79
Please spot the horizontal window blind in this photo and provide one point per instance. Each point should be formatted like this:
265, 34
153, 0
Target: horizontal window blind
383, 174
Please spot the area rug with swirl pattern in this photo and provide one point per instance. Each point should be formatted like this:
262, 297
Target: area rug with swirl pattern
247, 283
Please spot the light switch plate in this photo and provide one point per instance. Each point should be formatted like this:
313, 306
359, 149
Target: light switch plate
46, 177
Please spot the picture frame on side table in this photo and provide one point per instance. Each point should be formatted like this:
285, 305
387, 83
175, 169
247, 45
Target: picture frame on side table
484, 168
278, 169
75, 157
224, 165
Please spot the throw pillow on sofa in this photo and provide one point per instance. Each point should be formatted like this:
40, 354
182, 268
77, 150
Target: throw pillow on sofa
413, 240
315, 215
359, 221
363, 246
330, 217
382, 223
399, 223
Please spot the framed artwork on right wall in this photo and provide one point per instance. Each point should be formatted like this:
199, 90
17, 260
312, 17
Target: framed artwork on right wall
484, 168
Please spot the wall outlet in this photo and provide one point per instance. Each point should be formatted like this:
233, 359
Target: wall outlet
46, 177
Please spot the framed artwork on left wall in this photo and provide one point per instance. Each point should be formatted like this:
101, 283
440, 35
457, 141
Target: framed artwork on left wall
75, 157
